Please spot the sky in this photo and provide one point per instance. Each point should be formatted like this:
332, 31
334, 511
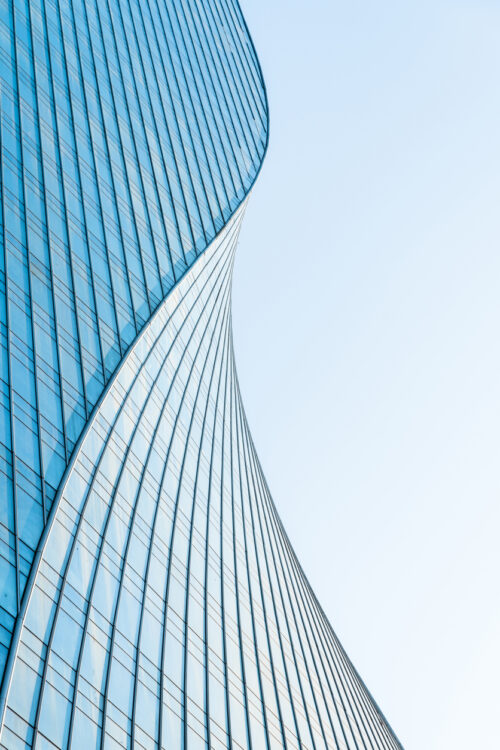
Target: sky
366, 310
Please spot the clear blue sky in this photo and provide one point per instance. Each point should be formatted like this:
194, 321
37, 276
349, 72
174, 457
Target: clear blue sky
367, 334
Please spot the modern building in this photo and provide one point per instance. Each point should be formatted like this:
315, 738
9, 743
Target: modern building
149, 595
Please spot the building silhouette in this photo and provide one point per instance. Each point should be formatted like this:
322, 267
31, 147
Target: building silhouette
149, 595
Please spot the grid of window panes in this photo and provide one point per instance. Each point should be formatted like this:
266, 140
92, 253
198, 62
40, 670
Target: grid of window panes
158, 601
130, 130
168, 609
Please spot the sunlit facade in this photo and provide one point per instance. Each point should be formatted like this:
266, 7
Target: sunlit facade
149, 596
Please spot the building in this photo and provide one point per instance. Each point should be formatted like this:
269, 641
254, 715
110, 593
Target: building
149, 594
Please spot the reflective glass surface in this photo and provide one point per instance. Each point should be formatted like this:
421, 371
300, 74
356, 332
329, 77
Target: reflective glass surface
130, 130
149, 596
168, 609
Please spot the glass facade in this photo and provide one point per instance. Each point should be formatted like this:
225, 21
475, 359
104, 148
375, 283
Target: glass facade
149, 596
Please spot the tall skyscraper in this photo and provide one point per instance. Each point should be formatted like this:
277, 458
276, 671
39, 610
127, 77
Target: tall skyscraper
149, 596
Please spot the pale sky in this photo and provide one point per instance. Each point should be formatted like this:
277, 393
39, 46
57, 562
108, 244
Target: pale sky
367, 335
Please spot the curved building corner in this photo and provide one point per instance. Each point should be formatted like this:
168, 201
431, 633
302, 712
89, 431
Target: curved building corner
149, 596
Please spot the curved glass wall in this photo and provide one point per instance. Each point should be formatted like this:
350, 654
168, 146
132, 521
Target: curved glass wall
130, 130
149, 596
166, 608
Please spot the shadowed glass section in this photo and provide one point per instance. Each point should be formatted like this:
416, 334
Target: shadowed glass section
130, 130
168, 608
